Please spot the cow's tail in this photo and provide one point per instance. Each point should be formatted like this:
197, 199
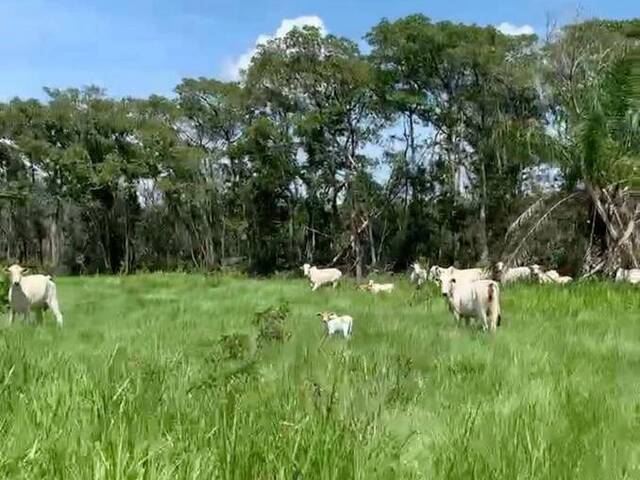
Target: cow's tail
493, 295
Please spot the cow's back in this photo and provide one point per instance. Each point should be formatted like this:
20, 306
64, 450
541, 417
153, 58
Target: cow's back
36, 289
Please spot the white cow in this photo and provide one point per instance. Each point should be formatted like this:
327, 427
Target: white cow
32, 292
553, 275
544, 277
465, 274
337, 323
321, 276
632, 276
514, 274
479, 299
380, 287
550, 276
418, 274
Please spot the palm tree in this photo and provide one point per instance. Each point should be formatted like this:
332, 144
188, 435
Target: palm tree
593, 86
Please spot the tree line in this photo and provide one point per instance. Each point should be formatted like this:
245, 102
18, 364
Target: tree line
449, 142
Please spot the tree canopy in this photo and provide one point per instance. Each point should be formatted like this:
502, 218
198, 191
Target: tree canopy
449, 142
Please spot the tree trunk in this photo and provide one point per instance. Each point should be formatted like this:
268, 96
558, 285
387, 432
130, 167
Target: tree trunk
372, 245
484, 244
126, 234
54, 237
355, 238
223, 237
617, 233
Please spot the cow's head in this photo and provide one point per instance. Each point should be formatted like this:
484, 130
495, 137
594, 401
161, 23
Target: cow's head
15, 273
620, 275
434, 273
326, 316
447, 281
536, 271
305, 268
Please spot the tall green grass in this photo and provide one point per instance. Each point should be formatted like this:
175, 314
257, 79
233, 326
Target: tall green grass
164, 377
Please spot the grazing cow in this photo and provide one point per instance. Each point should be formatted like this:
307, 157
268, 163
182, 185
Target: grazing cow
418, 274
514, 274
32, 292
380, 287
337, 323
553, 275
632, 276
479, 299
564, 280
550, 276
321, 276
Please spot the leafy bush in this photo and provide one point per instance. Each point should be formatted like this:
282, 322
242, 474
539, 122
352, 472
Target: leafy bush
235, 346
271, 324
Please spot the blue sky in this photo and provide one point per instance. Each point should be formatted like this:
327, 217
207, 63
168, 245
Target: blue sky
139, 47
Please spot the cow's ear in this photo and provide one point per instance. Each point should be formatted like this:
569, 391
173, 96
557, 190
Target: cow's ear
453, 280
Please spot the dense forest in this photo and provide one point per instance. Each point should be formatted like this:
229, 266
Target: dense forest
453, 143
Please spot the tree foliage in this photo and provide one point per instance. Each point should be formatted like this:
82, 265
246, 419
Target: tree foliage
427, 146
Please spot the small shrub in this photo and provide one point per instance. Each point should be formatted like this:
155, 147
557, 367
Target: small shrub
235, 346
271, 324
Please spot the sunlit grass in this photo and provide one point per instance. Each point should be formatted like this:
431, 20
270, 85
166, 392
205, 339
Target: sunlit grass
137, 385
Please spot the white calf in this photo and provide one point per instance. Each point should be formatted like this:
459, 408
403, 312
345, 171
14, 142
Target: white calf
380, 287
32, 292
334, 323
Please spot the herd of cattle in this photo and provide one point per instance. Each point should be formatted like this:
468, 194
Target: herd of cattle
471, 293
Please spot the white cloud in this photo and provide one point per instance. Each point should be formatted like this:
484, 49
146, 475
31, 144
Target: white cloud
233, 68
514, 30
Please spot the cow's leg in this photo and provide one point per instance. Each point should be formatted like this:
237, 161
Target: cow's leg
39, 316
11, 314
55, 309
493, 321
335, 284
485, 322
314, 287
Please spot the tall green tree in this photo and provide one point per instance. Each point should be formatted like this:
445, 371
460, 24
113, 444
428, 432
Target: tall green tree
474, 88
